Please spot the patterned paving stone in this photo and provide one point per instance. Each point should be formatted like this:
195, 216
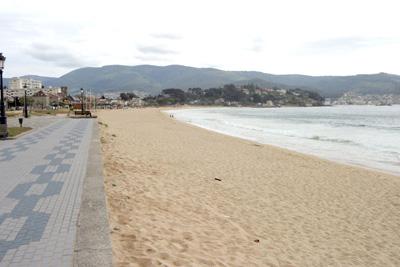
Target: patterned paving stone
22, 144
41, 176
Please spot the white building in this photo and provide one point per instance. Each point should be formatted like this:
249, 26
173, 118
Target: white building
21, 83
17, 87
52, 90
30, 92
11, 93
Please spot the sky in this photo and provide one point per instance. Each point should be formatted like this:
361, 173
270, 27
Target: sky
313, 37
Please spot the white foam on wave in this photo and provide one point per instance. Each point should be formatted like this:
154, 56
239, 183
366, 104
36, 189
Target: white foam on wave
368, 136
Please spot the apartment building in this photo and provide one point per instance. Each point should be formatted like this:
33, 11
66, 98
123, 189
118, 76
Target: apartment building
22, 83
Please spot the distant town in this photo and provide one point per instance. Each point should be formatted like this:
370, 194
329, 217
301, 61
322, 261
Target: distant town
351, 98
39, 96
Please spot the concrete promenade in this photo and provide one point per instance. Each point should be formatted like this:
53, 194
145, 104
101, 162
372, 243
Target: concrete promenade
35, 122
41, 181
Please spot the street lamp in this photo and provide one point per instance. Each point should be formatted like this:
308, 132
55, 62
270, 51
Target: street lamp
82, 101
25, 104
3, 118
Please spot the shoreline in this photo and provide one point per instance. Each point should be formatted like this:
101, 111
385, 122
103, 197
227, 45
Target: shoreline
270, 206
329, 159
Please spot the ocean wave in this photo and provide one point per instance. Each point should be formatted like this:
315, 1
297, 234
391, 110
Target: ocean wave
333, 140
363, 125
345, 134
241, 126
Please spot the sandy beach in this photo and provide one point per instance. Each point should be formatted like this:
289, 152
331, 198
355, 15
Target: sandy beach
179, 195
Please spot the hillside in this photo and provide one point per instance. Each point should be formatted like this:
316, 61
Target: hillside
152, 79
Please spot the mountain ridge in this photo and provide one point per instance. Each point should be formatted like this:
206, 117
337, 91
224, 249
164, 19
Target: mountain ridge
152, 79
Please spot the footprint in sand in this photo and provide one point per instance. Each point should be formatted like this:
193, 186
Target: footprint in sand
187, 236
164, 256
150, 251
179, 245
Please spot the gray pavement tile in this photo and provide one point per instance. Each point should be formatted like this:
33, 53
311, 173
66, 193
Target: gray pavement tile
42, 208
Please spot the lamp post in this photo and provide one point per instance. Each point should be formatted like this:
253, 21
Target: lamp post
82, 109
25, 104
3, 118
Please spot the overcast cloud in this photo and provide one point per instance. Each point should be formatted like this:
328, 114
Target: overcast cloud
168, 36
151, 49
57, 55
347, 44
341, 37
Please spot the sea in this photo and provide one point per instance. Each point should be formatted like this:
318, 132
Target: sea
367, 136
